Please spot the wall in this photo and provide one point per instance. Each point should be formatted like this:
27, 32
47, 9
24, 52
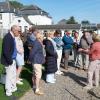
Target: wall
40, 20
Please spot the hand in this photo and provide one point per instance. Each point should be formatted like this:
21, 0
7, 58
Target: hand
86, 50
80, 50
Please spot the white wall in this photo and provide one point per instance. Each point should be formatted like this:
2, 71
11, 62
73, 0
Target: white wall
98, 31
40, 20
22, 23
7, 18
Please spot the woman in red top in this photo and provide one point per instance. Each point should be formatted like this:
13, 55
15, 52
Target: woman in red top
94, 65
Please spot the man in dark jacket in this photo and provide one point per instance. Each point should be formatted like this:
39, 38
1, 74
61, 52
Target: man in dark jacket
8, 56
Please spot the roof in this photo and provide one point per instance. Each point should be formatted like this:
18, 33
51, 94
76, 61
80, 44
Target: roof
98, 26
6, 7
31, 7
33, 10
67, 26
27, 10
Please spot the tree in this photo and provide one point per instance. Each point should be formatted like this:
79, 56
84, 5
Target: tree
71, 20
85, 22
16, 4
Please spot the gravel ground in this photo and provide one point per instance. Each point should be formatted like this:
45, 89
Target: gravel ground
67, 87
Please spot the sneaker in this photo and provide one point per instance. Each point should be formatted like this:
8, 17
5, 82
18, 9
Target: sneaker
20, 79
19, 82
59, 73
39, 92
51, 82
8, 93
15, 89
88, 87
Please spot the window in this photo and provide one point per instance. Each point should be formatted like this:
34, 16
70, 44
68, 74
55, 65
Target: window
0, 16
25, 28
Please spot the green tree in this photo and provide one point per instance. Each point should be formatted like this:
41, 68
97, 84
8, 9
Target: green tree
85, 22
71, 20
16, 4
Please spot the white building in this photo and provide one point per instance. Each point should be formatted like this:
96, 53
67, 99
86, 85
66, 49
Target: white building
36, 15
30, 15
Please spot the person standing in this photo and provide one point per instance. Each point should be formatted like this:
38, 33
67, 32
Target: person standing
68, 44
77, 56
94, 65
51, 57
85, 43
8, 57
59, 44
37, 59
19, 57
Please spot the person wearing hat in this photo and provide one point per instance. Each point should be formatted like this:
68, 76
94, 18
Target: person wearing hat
94, 65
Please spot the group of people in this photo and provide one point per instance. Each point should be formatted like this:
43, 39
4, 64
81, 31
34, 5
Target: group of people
49, 49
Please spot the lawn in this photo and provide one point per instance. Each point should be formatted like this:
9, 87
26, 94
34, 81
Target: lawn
26, 75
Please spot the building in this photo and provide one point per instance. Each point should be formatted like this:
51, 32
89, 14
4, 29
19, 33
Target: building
30, 15
36, 15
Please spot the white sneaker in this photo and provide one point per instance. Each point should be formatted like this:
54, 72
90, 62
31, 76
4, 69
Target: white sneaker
8, 93
88, 87
59, 73
51, 82
19, 82
15, 89
20, 79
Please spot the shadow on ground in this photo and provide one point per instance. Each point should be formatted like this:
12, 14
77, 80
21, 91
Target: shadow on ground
76, 78
90, 92
27, 73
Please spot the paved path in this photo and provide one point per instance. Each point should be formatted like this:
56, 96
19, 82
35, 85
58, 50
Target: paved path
67, 87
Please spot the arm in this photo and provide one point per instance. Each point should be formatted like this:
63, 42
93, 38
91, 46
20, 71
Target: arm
19, 46
7, 46
34, 49
91, 50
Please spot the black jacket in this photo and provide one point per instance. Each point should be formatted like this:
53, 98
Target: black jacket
7, 50
51, 57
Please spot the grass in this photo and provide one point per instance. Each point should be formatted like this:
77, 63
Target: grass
26, 75
22, 89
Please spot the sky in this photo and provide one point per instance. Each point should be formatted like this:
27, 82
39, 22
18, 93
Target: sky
64, 9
